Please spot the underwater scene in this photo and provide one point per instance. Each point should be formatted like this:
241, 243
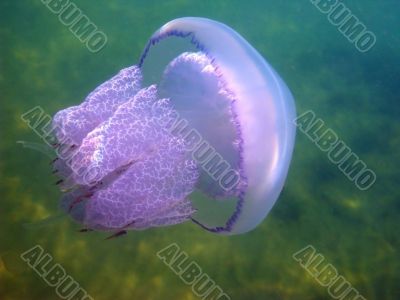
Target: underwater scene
199, 149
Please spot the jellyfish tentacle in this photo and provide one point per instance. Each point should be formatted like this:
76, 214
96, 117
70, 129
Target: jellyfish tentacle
121, 231
78, 200
84, 230
117, 234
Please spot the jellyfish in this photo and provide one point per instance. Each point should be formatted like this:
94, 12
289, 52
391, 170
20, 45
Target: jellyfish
200, 129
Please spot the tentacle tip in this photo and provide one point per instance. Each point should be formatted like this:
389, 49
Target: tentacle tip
53, 161
85, 230
117, 234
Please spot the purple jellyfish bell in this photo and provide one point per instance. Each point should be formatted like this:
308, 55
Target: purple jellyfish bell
201, 129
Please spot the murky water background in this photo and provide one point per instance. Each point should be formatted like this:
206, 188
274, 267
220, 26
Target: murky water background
356, 94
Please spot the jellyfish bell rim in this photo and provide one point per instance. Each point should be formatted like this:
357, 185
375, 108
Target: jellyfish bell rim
265, 111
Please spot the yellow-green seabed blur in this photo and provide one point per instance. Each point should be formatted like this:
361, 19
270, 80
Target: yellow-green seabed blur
42, 63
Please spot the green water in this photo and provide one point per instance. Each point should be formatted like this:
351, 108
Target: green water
356, 94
